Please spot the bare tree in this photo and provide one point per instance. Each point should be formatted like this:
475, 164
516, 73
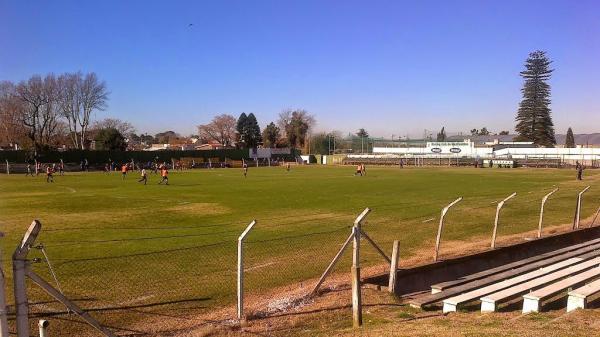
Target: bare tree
125, 128
221, 129
93, 96
11, 127
79, 96
33, 98
49, 113
69, 102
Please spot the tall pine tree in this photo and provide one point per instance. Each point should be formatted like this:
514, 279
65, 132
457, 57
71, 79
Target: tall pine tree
241, 128
534, 120
441, 136
570, 140
253, 136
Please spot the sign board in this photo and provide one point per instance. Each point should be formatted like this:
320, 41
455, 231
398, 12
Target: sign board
450, 147
268, 152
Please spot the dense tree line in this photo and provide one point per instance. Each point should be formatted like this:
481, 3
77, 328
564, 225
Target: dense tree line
291, 130
42, 111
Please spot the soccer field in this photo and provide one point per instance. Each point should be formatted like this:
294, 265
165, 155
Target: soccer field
119, 244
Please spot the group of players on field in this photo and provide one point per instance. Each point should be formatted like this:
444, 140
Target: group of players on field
164, 172
50, 170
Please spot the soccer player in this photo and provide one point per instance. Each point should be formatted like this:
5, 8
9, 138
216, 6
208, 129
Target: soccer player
579, 167
245, 166
363, 170
49, 178
28, 173
288, 167
164, 173
144, 177
358, 170
123, 171
61, 168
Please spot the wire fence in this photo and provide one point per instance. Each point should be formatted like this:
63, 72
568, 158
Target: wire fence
135, 288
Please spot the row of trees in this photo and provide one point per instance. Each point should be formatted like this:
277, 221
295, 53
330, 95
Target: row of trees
41, 111
291, 129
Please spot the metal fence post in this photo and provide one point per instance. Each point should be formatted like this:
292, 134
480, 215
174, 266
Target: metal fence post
42, 325
356, 294
3, 312
394, 266
539, 234
331, 265
240, 272
595, 217
19, 274
441, 226
578, 208
498, 208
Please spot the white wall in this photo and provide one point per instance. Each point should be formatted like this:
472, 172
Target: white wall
488, 152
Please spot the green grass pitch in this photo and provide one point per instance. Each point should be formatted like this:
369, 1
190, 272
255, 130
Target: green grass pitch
119, 243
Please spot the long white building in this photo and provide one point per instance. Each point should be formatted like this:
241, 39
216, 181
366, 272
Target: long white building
499, 150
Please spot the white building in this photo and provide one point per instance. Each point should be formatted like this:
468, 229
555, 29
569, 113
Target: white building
500, 150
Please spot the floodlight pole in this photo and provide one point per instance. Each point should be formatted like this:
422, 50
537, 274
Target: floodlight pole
498, 208
578, 208
240, 272
539, 234
441, 226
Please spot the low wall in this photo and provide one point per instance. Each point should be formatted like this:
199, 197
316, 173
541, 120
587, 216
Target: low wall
103, 157
421, 278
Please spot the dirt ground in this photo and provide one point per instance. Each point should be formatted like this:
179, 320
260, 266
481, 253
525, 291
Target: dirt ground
287, 312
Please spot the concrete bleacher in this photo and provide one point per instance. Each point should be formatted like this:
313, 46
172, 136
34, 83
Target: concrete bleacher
490, 302
579, 298
452, 304
533, 301
439, 287
584, 251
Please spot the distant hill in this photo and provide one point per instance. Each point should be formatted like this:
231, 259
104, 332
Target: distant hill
580, 139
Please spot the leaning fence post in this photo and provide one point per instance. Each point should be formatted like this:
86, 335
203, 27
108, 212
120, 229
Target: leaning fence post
394, 266
578, 209
440, 227
356, 295
331, 265
595, 216
539, 234
240, 272
19, 274
3, 312
498, 208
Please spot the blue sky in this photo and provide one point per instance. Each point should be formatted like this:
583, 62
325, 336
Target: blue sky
392, 67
